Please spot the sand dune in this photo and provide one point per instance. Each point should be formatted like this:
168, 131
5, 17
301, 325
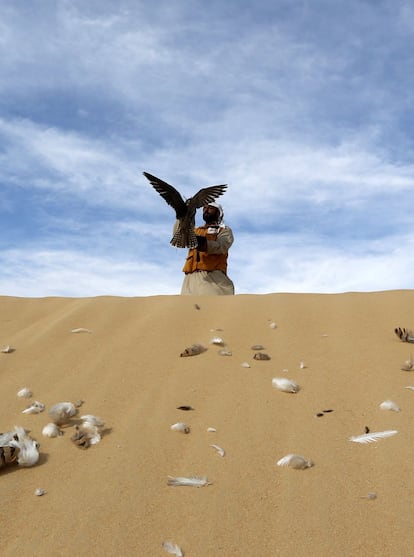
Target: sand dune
113, 498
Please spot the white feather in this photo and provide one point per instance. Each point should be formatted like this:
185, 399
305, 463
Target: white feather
273, 325
93, 427
295, 461
390, 405
245, 364
408, 365
24, 393
173, 548
220, 450
7, 349
411, 387
62, 412
28, 453
372, 437
93, 420
35, 408
81, 330
51, 430
5, 438
217, 341
193, 481
181, 427
39, 491
211, 429
285, 385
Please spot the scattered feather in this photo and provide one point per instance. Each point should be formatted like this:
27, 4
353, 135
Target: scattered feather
285, 385
295, 461
373, 436
258, 347
194, 481
51, 430
261, 356
197, 306
390, 405
193, 350
81, 330
35, 408
404, 334
39, 491
181, 427
408, 365
302, 365
8, 454
7, 349
25, 393
185, 407
173, 548
370, 496
26, 448
211, 429
93, 420
225, 352
217, 341
219, 450
62, 412
93, 426
410, 387
320, 414
245, 364
273, 325
89, 432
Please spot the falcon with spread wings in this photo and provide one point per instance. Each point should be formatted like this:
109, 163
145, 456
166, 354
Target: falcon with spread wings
185, 210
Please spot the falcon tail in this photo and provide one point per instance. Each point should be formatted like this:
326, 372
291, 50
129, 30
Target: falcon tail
184, 238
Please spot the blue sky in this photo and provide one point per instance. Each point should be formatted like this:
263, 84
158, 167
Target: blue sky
305, 109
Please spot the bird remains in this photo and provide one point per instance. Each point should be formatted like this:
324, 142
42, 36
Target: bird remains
404, 334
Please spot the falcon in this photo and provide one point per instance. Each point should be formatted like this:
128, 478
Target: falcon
185, 210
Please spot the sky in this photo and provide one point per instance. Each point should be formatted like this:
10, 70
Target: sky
305, 109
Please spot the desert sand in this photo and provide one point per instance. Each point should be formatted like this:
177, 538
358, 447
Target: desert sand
113, 498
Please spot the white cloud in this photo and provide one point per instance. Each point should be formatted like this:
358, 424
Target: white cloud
297, 264
79, 274
301, 108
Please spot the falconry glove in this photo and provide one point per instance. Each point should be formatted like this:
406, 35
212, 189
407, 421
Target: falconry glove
201, 243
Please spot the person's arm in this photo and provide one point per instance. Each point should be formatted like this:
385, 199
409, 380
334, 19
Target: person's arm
223, 242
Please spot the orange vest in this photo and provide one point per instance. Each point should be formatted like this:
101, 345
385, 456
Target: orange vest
203, 261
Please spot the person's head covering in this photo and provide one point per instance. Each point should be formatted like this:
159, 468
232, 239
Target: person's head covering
220, 210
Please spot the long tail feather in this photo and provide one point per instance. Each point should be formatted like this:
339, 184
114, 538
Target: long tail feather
192, 482
372, 437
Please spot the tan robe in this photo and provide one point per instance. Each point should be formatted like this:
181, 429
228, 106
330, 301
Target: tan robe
211, 283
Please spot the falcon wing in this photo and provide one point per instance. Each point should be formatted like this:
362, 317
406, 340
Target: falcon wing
169, 193
207, 195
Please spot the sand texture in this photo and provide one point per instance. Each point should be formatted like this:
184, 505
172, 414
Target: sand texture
113, 498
